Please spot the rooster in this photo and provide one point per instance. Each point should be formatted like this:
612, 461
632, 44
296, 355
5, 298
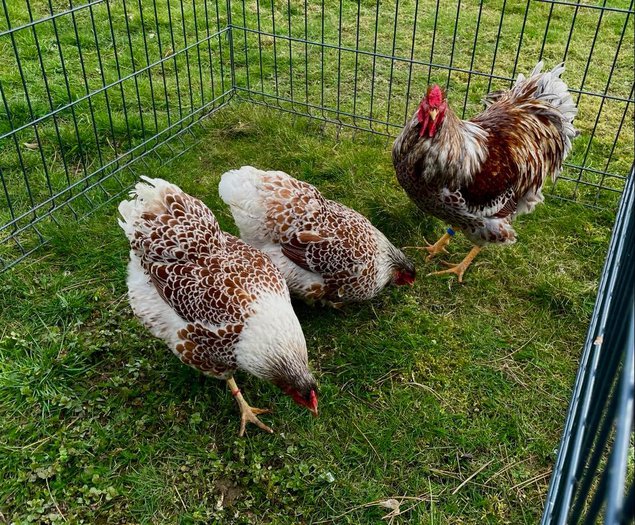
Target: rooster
218, 303
326, 251
479, 174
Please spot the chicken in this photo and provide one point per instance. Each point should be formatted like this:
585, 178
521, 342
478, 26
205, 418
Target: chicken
218, 303
326, 251
479, 174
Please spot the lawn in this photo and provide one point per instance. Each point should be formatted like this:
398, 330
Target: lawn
447, 399
420, 389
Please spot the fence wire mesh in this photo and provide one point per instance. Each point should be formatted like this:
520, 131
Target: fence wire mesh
366, 65
90, 89
590, 475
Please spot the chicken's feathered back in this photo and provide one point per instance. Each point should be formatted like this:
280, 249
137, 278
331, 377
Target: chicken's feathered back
325, 250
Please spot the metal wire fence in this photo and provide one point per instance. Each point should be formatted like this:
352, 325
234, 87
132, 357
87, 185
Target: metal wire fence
90, 90
590, 475
87, 92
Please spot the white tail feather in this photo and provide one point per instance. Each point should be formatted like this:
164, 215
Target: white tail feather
552, 88
146, 196
240, 190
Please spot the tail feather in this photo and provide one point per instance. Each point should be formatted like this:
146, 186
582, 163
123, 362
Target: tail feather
240, 187
554, 89
549, 87
240, 190
146, 196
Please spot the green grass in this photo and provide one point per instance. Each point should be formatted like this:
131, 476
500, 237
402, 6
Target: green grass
79, 53
420, 388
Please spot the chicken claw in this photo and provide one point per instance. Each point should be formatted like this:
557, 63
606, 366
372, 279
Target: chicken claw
436, 248
459, 269
247, 413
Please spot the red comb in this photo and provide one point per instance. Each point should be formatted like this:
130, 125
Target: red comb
435, 96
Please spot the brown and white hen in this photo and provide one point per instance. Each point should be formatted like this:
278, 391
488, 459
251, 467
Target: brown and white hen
218, 303
326, 251
479, 174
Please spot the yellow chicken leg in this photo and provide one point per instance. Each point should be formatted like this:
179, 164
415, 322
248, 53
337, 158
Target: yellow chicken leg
438, 247
247, 413
460, 268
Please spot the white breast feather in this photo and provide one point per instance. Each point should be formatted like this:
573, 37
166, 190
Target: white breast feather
271, 329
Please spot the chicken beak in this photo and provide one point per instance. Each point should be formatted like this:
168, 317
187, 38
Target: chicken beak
314, 411
433, 114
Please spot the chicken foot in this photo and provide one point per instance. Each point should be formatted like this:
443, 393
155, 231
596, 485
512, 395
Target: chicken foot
436, 248
459, 269
248, 414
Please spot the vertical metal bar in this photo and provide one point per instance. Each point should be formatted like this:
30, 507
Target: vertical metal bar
290, 54
544, 38
176, 65
161, 56
262, 79
599, 434
29, 105
456, 27
51, 106
86, 85
562, 482
70, 95
147, 55
520, 40
339, 60
356, 69
372, 85
134, 69
392, 64
469, 75
596, 502
209, 50
588, 60
103, 83
603, 100
220, 46
609, 158
275, 49
116, 55
16, 144
306, 56
187, 58
246, 47
322, 64
198, 53
573, 19
498, 37
623, 427
619, 130
434, 38
7, 195
412, 55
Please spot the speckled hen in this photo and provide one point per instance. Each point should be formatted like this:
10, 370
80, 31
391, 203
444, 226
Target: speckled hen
219, 304
479, 174
326, 251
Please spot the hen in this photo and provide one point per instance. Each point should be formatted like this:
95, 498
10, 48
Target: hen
479, 174
218, 303
326, 251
